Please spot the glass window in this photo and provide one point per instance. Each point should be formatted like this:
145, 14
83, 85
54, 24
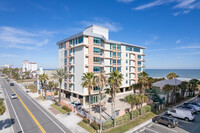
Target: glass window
96, 69
129, 75
137, 50
126, 68
97, 59
70, 41
129, 62
114, 68
126, 55
95, 88
80, 39
65, 61
111, 61
111, 54
74, 42
119, 54
126, 81
139, 57
139, 63
114, 46
97, 50
65, 53
110, 46
119, 62
119, 69
119, 47
126, 61
128, 48
111, 69
126, 74
139, 69
114, 54
114, 61
97, 40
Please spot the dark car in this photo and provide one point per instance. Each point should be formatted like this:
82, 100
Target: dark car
11, 84
195, 103
170, 122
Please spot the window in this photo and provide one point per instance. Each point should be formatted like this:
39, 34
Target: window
74, 42
65, 53
126, 68
111, 62
119, 62
95, 88
80, 39
114, 68
114, 46
114, 61
129, 75
137, 50
119, 47
119, 55
129, 56
97, 40
129, 48
110, 46
129, 62
96, 69
97, 59
139, 69
97, 50
139, 57
119, 69
126, 54
126, 81
65, 61
111, 69
126, 74
139, 63
114, 54
70, 42
126, 61
111, 54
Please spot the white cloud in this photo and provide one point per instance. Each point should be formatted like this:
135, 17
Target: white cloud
6, 7
125, 1
11, 37
189, 47
184, 3
149, 5
152, 41
156, 50
178, 41
112, 26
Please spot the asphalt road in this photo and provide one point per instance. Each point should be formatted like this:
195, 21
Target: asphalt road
27, 115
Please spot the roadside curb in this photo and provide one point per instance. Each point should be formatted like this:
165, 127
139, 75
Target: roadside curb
139, 126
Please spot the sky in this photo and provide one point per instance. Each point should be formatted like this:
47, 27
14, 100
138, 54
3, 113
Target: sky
169, 29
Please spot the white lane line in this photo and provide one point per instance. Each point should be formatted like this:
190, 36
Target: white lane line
150, 125
14, 111
152, 130
142, 130
41, 109
166, 128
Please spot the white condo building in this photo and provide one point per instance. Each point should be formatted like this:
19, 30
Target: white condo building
29, 66
92, 51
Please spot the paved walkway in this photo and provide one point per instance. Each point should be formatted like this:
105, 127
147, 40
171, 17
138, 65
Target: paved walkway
5, 119
70, 121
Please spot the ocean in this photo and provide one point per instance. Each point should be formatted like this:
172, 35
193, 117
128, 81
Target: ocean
184, 74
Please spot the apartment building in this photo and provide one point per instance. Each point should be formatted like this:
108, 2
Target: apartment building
92, 51
29, 66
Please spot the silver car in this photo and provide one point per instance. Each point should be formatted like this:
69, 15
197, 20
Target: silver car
13, 96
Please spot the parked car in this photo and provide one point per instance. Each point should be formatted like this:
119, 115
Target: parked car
195, 103
72, 104
170, 122
192, 109
109, 100
77, 105
197, 108
181, 113
11, 84
35, 82
13, 96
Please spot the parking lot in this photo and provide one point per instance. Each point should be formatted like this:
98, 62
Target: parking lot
183, 126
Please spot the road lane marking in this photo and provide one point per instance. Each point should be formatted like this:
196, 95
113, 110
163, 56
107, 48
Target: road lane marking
14, 110
166, 128
33, 117
151, 130
40, 109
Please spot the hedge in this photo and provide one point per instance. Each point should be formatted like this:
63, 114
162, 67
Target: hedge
66, 108
94, 125
126, 117
55, 93
2, 107
87, 121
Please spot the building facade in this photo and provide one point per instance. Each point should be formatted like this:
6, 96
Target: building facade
92, 51
29, 66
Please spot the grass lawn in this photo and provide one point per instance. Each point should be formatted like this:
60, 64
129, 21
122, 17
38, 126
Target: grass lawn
26, 80
32, 87
86, 127
59, 109
131, 124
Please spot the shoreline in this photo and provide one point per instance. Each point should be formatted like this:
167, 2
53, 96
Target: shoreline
182, 79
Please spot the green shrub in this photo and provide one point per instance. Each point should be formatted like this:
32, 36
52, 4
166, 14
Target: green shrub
2, 107
55, 93
108, 124
86, 120
66, 108
94, 125
56, 103
146, 109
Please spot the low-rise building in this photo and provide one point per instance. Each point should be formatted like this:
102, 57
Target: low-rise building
29, 66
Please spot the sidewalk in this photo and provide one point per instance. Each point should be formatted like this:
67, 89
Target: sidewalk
70, 121
5, 119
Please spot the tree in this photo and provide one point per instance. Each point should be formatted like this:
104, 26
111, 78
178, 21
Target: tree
143, 79
88, 82
193, 86
137, 86
50, 85
43, 79
167, 88
60, 74
183, 86
172, 75
131, 99
140, 99
114, 81
101, 82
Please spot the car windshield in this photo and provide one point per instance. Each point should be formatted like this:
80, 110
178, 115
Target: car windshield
13, 95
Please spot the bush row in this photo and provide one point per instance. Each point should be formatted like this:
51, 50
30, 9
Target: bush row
2, 107
126, 117
93, 124
66, 108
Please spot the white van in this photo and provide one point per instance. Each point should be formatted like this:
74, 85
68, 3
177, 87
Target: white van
181, 113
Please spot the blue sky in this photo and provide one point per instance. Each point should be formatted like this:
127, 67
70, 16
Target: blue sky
170, 29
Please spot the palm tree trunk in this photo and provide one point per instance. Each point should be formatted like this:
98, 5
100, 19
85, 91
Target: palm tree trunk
44, 90
100, 110
89, 105
131, 112
59, 95
114, 113
51, 95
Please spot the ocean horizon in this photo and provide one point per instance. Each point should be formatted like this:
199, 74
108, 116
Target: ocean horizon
184, 74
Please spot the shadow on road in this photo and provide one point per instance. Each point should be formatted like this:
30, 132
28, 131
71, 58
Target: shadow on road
6, 123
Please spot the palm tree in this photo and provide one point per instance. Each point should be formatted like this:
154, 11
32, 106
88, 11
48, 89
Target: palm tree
43, 79
143, 79
50, 85
135, 87
88, 82
172, 75
60, 74
131, 99
193, 86
101, 82
140, 99
114, 81
183, 86
167, 88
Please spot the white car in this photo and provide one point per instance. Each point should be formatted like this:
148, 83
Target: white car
13, 96
197, 108
181, 113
